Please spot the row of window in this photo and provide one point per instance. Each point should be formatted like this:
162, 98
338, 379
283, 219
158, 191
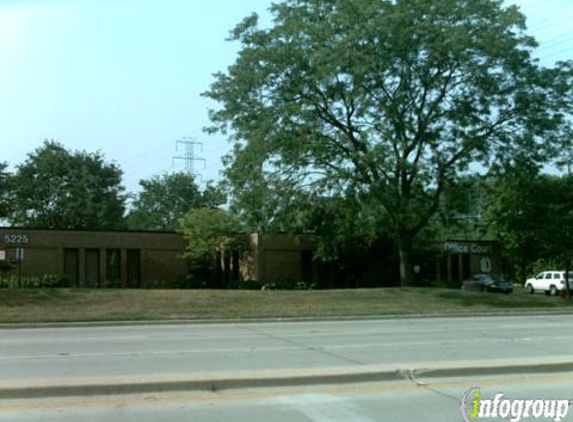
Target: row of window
92, 267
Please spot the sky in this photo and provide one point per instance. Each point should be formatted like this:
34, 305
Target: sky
125, 77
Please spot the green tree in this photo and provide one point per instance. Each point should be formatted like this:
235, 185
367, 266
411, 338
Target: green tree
462, 207
386, 102
211, 230
163, 200
212, 234
533, 218
57, 188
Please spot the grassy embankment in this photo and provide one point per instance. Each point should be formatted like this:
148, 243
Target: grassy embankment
51, 305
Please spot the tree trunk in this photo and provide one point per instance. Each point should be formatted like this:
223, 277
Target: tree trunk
406, 267
226, 269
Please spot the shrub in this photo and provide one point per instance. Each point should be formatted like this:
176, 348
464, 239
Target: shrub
545, 265
33, 282
188, 282
4, 266
441, 284
245, 285
287, 284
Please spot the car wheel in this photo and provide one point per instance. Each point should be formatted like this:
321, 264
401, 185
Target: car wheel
482, 288
553, 291
530, 289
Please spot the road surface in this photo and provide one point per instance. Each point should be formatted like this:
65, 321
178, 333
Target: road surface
52, 353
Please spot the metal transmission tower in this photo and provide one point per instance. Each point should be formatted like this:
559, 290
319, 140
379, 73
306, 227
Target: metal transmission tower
189, 156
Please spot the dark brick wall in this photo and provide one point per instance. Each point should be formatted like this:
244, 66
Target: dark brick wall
160, 252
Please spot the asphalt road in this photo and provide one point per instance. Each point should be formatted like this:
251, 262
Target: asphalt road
431, 400
170, 349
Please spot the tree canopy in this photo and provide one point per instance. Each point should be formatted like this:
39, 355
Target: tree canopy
209, 232
61, 189
165, 199
383, 103
532, 215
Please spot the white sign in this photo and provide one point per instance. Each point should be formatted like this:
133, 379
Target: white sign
15, 238
19, 255
467, 248
485, 264
2, 255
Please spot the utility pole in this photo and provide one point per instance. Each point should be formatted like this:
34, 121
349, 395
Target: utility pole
189, 155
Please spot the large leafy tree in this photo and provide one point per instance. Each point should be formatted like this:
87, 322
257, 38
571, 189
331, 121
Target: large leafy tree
209, 231
462, 208
57, 188
165, 199
213, 235
532, 216
381, 102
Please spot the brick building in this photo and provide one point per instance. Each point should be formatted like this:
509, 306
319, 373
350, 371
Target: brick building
463, 258
272, 257
154, 259
144, 259
95, 258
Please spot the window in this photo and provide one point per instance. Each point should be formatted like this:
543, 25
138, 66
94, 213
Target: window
92, 268
71, 266
466, 270
133, 268
113, 267
306, 260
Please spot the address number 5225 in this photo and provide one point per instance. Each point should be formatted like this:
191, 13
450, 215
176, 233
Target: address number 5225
15, 238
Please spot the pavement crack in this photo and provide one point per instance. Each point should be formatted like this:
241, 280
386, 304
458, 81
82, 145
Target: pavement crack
441, 393
302, 345
410, 375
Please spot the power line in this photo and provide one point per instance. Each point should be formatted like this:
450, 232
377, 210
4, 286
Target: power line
557, 53
557, 40
136, 157
550, 21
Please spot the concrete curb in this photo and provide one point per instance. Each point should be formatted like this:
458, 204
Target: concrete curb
79, 324
216, 381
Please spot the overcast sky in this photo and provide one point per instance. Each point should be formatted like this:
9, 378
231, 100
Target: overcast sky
125, 76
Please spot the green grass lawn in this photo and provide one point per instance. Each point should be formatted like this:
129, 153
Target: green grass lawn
51, 305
